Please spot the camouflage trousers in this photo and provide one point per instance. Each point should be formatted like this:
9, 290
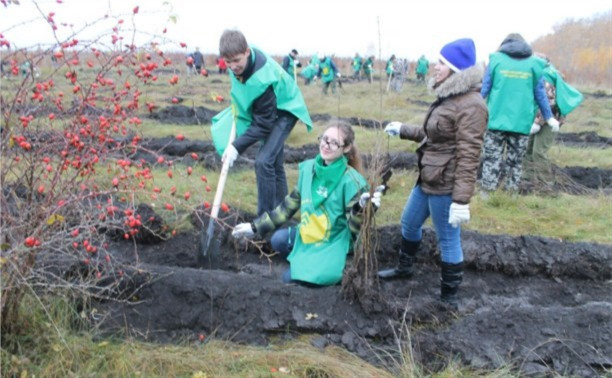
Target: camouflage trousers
515, 146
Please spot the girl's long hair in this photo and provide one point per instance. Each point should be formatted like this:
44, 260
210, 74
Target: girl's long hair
354, 160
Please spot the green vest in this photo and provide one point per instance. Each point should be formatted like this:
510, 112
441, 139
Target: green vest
511, 101
368, 66
291, 65
357, 64
422, 66
327, 72
389, 67
288, 98
323, 239
309, 72
567, 97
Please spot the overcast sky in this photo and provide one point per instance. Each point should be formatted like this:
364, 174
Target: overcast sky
407, 28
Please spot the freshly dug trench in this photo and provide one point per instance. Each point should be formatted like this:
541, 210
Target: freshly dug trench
538, 303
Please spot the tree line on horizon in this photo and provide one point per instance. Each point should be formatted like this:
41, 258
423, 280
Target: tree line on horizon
581, 49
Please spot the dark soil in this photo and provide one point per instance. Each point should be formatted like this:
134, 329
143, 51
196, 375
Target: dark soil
184, 115
586, 139
540, 305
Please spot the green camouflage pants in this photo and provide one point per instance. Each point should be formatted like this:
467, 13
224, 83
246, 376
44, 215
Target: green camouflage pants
536, 160
515, 146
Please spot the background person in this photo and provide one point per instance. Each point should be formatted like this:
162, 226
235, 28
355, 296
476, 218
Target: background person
448, 158
422, 68
389, 67
330, 195
368, 68
563, 99
328, 73
356, 65
290, 63
221, 65
198, 61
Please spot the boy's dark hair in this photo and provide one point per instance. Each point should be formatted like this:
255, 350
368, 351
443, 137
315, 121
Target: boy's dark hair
232, 43
294, 51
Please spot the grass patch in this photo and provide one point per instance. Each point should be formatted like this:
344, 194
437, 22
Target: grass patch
565, 217
51, 346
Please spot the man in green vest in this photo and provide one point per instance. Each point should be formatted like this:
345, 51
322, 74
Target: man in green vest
357, 67
368, 68
389, 67
513, 85
266, 104
290, 63
328, 72
422, 68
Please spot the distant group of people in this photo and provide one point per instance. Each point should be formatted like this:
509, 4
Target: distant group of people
475, 112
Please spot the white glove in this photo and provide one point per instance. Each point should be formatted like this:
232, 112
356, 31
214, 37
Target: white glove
243, 230
535, 128
338, 74
554, 124
230, 154
376, 197
458, 214
393, 128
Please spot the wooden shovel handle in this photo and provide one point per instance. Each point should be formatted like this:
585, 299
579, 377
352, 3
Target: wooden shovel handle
223, 177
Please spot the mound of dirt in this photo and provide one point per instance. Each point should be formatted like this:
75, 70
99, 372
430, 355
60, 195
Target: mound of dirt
584, 139
184, 115
537, 304
353, 121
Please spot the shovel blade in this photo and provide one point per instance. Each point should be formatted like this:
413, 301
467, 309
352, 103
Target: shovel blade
208, 246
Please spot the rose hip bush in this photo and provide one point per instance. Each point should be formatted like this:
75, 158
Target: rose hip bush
69, 185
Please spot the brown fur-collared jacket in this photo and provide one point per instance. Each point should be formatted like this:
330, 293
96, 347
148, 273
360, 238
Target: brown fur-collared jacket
451, 136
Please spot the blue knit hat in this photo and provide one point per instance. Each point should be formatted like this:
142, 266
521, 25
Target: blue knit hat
459, 55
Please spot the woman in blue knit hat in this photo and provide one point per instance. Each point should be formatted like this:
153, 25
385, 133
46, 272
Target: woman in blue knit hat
450, 142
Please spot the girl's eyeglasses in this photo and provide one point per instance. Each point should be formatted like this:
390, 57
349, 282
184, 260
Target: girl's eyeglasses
331, 144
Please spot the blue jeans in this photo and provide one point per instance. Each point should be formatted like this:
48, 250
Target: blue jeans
418, 208
282, 241
269, 169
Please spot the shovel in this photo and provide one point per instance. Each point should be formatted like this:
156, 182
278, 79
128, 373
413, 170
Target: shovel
209, 246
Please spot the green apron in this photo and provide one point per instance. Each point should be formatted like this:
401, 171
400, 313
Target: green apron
323, 239
327, 72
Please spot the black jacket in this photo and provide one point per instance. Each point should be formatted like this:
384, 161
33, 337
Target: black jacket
264, 111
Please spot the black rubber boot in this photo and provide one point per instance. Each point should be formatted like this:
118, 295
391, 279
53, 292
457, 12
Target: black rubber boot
407, 252
452, 275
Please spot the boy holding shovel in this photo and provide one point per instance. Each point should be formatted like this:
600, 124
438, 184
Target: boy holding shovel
266, 104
